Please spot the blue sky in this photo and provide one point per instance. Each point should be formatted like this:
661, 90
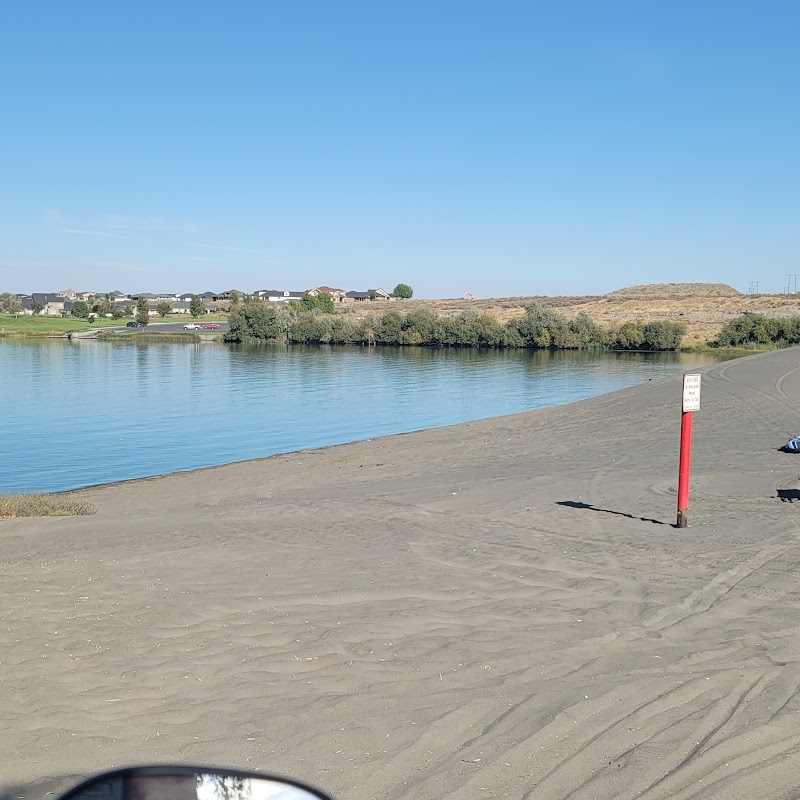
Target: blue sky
505, 148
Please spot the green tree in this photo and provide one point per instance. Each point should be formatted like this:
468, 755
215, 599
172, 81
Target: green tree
80, 308
142, 311
657, 335
10, 304
196, 307
629, 336
667, 335
403, 291
323, 301
253, 320
163, 308
584, 331
118, 312
37, 308
102, 306
542, 327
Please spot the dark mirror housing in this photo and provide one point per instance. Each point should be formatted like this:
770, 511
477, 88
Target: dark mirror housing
190, 783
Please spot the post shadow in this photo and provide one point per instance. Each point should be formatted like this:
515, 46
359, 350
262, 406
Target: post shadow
589, 507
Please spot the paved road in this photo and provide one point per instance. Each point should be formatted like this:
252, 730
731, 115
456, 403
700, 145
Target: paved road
166, 327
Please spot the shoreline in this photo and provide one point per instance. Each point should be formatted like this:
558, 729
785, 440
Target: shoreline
501, 603
324, 447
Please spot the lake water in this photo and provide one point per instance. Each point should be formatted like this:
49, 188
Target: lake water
75, 414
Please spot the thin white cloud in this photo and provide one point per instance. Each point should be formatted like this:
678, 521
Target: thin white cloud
82, 232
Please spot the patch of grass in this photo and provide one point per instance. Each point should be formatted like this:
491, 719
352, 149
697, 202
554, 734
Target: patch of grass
725, 351
46, 326
145, 336
43, 505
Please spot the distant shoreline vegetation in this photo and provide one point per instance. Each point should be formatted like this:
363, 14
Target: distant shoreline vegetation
541, 328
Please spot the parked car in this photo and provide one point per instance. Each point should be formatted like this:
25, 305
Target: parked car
192, 326
133, 325
211, 326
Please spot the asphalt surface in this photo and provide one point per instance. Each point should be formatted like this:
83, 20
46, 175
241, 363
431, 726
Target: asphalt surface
168, 327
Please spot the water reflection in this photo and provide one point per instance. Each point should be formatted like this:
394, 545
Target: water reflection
80, 413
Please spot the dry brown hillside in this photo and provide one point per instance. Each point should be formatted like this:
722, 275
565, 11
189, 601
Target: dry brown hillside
704, 307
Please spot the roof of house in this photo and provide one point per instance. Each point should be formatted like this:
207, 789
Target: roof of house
358, 295
47, 297
328, 289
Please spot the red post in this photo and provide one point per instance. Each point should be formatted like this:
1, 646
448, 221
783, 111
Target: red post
683, 469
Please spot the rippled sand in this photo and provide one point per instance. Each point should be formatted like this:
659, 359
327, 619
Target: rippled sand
498, 609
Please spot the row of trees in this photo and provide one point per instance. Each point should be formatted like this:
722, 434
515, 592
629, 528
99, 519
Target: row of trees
756, 330
539, 327
103, 306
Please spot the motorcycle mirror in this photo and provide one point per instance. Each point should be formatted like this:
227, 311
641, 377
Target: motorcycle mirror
190, 783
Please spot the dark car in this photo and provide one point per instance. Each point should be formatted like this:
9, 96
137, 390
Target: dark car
133, 325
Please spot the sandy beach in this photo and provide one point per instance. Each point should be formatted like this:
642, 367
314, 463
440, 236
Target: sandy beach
496, 609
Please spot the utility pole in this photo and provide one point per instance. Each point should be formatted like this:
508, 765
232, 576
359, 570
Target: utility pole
794, 275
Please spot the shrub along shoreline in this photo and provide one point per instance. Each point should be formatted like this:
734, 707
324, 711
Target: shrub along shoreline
254, 321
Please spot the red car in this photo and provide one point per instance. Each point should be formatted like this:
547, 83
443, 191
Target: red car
211, 326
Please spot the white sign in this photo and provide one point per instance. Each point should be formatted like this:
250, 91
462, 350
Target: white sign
691, 392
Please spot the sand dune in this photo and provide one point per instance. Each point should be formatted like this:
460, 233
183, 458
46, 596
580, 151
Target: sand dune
498, 609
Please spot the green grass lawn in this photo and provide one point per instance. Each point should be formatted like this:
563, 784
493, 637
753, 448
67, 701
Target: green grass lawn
40, 326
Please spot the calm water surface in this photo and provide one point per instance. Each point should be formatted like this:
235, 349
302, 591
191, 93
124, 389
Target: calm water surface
81, 413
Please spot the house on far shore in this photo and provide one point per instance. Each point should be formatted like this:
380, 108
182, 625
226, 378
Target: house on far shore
155, 298
228, 295
275, 296
370, 294
48, 303
338, 295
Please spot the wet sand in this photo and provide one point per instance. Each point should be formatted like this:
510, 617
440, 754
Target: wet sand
497, 609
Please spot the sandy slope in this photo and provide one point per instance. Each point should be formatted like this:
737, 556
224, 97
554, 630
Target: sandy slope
491, 610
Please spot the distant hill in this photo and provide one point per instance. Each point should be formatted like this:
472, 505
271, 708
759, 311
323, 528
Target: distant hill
651, 291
